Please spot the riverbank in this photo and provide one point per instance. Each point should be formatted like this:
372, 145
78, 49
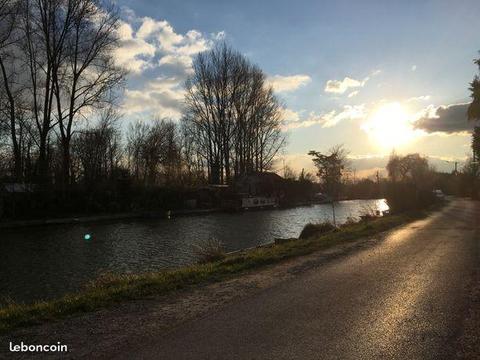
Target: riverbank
11, 224
111, 290
161, 214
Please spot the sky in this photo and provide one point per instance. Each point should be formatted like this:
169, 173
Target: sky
375, 76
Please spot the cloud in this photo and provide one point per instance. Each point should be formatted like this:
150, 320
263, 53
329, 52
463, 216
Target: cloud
414, 67
288, 83
353, 93
154, 45
134, 53
326, 120
339, 87
448, 119
162, 97
289, 115
419, 98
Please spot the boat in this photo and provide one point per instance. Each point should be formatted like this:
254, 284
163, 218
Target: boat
258, 202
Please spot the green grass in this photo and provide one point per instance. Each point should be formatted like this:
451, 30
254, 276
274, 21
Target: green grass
111, 289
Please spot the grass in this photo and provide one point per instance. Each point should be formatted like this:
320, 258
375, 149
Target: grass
313, 230
112, 289
210, 250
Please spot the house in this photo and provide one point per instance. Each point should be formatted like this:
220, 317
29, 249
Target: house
259, 190
266, 184
12, 192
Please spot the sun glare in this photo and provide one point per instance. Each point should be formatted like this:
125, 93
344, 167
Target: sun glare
390, 126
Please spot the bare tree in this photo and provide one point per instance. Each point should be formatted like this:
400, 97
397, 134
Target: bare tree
44, 28
98, 150
87, 77
136, 137
192, 160
10, 90
66, 51
231, 114
154, 152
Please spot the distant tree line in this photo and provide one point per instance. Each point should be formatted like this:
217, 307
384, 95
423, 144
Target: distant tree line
59, 118
60, 126
57, 68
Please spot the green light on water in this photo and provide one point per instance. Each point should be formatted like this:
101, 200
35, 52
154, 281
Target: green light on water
87, 236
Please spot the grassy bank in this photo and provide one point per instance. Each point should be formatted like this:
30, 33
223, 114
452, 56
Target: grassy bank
110, 289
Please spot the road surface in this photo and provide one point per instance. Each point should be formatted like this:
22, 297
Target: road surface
408, 297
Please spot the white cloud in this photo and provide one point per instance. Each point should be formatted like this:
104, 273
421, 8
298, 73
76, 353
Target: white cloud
134, 53
419, 98
326, 120
339, 87
162, 97
180, 61
288, 83
414, 67
289, 115
348, 113
154, 45
192, 43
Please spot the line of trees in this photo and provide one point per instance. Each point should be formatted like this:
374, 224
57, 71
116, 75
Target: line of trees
231, 116
57, 68
59, 119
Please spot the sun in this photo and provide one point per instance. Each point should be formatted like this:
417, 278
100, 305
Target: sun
390, 126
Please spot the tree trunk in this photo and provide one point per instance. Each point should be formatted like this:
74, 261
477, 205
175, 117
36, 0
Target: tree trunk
17, 154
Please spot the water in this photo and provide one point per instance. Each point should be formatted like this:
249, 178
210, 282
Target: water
45, 262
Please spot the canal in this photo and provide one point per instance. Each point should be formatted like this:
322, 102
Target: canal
48, 261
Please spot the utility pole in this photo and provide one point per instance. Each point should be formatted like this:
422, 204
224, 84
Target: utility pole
455, 171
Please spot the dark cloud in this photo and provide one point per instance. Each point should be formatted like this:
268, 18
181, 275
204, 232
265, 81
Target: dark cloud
448, 119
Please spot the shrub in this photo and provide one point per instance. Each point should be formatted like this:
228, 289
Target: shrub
350, 221
311, 230
369, 213
406, 197
209, 250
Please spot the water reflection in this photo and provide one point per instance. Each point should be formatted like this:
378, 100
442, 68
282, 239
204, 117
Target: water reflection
45, 262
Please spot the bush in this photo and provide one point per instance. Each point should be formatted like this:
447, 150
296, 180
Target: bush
369, 213
350, 221
311, 230
406, 197
209, 250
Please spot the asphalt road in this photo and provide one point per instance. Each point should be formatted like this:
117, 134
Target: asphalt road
405, 298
